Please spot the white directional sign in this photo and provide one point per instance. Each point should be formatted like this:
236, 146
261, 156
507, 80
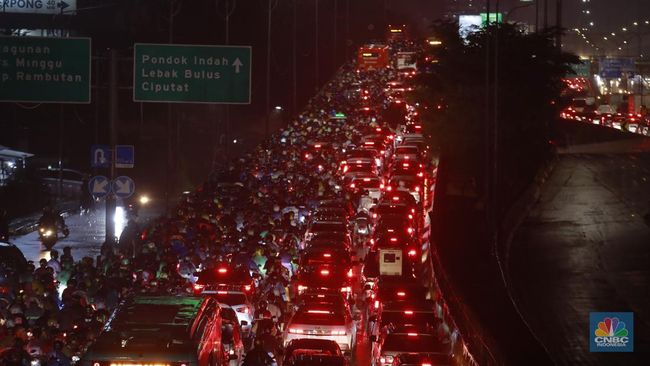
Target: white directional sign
99, 186
123, 187
38, 6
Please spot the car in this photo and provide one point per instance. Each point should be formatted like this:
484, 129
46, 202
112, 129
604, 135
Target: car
231, 336
316, 255
412, 340
373, 185
335, 240
325, 227
407, 152
309, 352
14, 264
324, 277
147, 329
240, 303
224, 277
365, 169
409, 183
322, 322
416, 312
423, 359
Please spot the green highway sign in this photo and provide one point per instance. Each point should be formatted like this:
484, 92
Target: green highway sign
45, 70
494, 18
179, 73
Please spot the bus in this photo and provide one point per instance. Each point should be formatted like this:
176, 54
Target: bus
160, 330
373, 57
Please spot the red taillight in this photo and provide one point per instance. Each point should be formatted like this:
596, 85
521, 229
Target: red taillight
376, 304
295, 331
426, 364
352, 185
408, 312
318, 312
247, 287
317, 146
366, 179
222, 292
222, 270
396, 198
346, 289
198, 288
389, 188
412, 334
417, 189
401, 293
412, 253
324, 272
393, 240
350, 274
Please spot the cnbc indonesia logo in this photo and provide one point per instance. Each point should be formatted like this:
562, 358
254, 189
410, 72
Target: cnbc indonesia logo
611, 332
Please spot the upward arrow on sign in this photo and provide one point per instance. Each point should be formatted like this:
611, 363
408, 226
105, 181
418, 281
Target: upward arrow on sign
237, 64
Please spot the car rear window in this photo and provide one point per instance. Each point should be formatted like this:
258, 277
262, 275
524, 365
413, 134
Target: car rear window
404, 343
230, 298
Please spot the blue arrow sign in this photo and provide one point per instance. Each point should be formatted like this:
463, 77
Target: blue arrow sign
99, 186
123, 187
100, 156
124, 156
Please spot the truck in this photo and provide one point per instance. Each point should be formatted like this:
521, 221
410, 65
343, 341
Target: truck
372, 57
406, 63
390, 262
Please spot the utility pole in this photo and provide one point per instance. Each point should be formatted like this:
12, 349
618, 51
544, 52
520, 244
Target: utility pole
545, 14
316, 55
336, 19
112, 121
267, 111
169, 180
536, 16
294, 72
558, 23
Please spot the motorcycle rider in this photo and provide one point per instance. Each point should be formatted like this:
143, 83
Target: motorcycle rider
258, 356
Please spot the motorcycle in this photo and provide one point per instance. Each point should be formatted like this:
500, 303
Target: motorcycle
49, 235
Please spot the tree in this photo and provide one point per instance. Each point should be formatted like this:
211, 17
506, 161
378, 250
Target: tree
528, 84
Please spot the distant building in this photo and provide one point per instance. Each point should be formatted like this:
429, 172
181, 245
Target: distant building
10, 160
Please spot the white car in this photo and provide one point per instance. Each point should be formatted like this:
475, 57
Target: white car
240, 303
322, 321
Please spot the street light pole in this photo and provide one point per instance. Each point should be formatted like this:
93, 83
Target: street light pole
316, 55
267, 111
294, 73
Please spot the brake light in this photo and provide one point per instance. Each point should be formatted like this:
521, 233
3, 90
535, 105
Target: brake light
295, 331
412, 334
346, 289
401, 293
350, 274
222, 270
381, 186
376, 304
247, 287
408, 312
222, 292
317, 146
198, 288
417, 189
412, 253
410, 230
352, 185
389, 188
396, 198
366, 179
421, 174
405, 165
378, 129
426, 364
374, 216
318, 312
324, 272
327, 255
301, 288
369, 143
393, 240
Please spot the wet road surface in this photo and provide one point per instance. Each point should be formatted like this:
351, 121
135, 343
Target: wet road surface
585, 248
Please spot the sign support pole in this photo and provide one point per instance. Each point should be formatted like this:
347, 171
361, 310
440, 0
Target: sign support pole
112, 100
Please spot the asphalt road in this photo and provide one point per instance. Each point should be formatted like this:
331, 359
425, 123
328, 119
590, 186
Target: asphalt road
87, 233
585, 248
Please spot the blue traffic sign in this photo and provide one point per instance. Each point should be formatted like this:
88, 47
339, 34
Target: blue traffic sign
100, 156
99, 186
123, 187
124, 156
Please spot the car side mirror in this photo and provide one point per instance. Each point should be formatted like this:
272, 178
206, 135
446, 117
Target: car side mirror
373, 338
244, 323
